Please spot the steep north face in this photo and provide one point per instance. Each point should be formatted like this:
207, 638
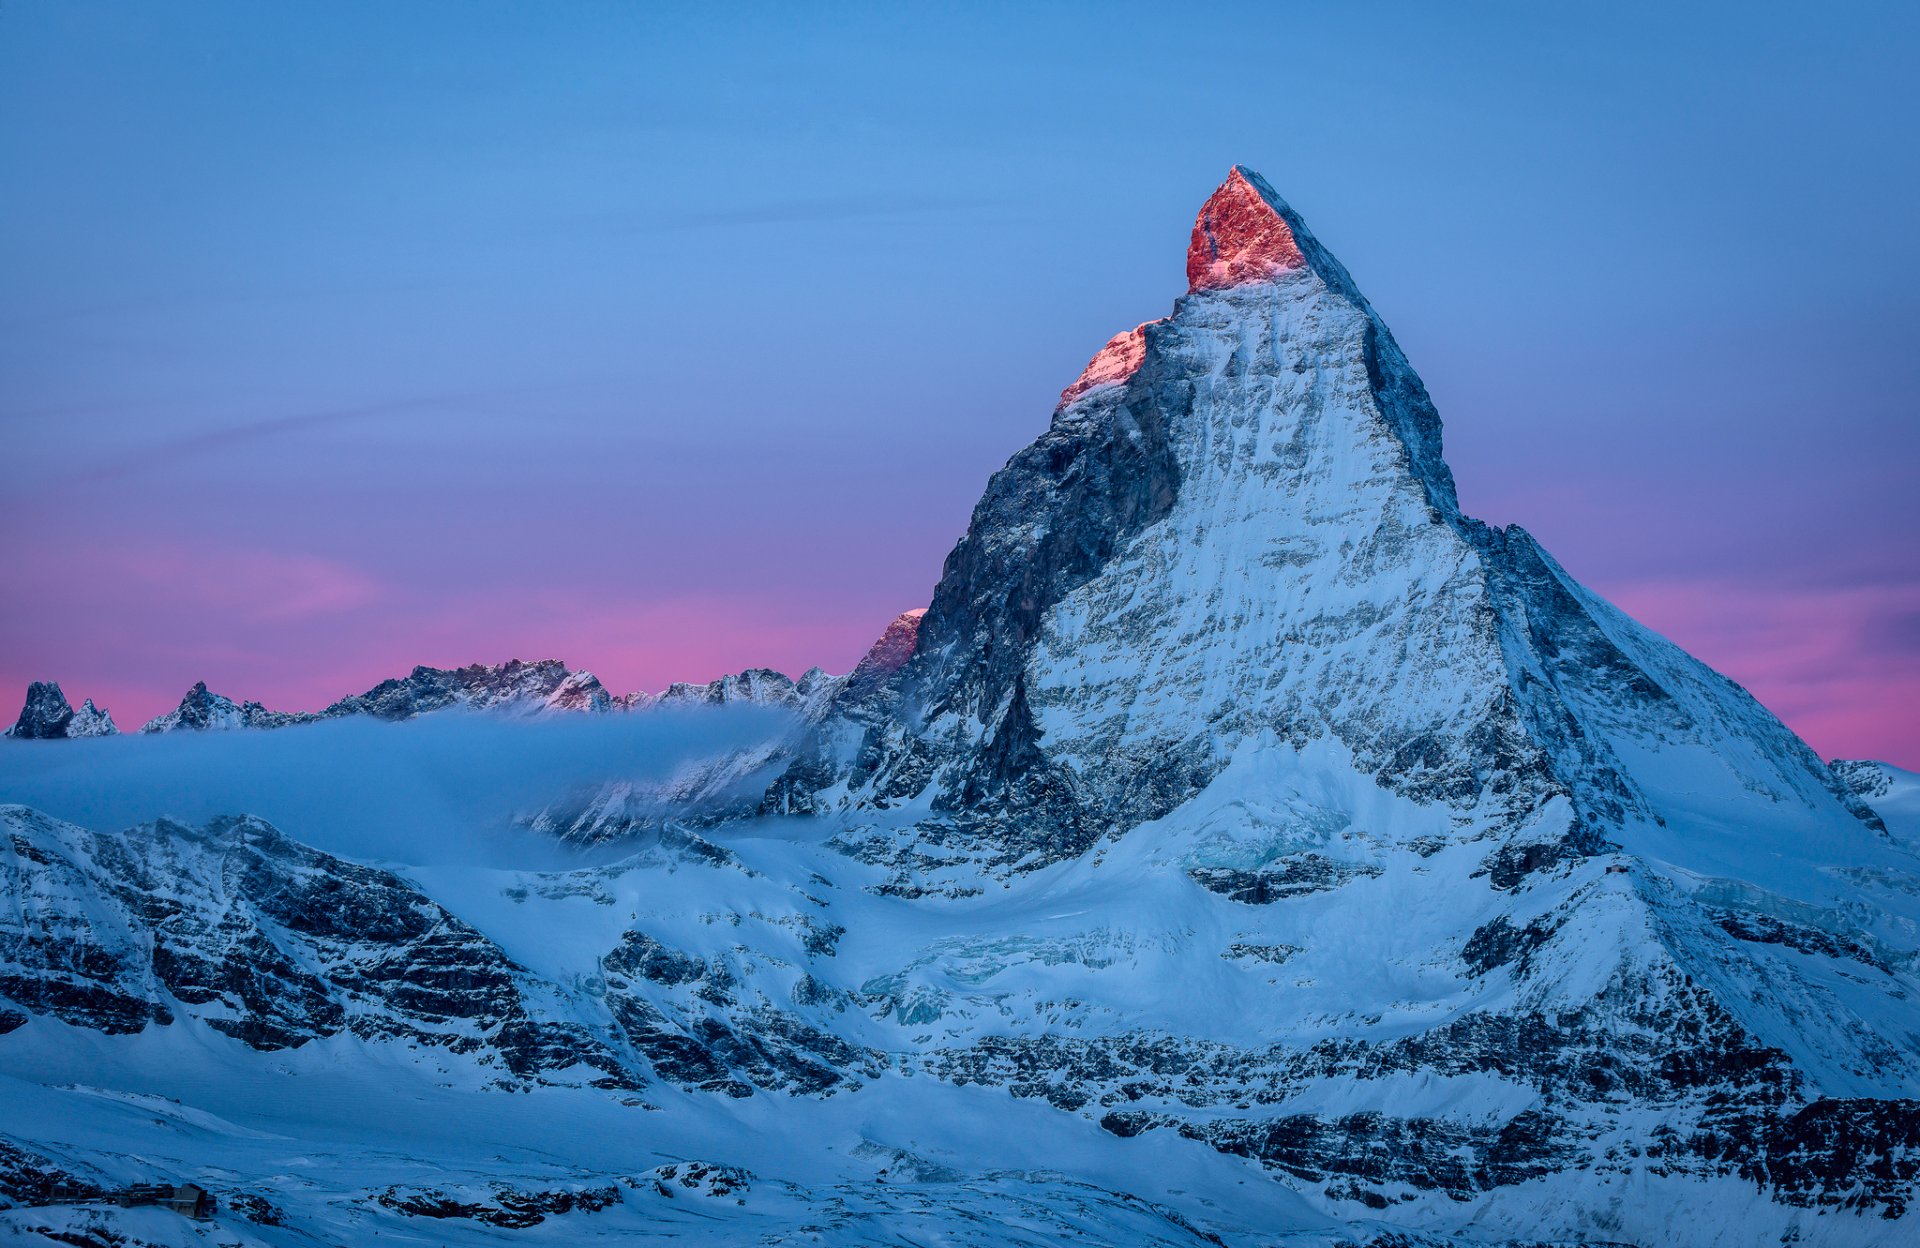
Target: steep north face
1239, 527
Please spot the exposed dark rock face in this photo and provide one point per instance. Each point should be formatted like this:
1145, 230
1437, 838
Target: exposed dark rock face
28, 1178
1867, 780
698, 1028
276, 945
505, 1206
262, 939
1308, 873
1731, 1106
699, 1178
46, 716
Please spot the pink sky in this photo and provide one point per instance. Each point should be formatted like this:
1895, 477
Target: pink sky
298, 632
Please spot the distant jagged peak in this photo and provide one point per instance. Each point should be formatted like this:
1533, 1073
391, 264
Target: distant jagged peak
580, 691
512, 685
756, 686
91, 721
202, 710
47, 716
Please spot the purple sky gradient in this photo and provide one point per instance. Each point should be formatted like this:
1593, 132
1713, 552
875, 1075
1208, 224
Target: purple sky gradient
336, 339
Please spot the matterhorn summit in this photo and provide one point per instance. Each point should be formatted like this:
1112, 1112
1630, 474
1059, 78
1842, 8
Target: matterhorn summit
1243, 847
1240, 546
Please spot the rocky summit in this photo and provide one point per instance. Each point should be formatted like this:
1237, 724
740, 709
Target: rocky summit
47, 716
1243, 847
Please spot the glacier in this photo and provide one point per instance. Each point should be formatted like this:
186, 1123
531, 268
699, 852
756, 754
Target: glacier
1244, 846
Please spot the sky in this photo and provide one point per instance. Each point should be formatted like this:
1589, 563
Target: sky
672, 340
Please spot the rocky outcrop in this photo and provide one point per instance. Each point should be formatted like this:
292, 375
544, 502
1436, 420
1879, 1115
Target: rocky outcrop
262, 939
204, 711
513, 687
46, 716
235, 927
757, 686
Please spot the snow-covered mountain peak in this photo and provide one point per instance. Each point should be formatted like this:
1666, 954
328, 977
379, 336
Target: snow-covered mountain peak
1239, 540
202, 710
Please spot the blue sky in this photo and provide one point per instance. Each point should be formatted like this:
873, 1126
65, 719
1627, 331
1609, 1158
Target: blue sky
341, 337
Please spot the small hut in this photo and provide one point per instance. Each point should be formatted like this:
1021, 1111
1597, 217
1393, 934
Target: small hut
191, 1201
188, 1199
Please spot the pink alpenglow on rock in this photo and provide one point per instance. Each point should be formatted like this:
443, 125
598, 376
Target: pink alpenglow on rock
580, 691
895, 647
1240, 236
1113, 363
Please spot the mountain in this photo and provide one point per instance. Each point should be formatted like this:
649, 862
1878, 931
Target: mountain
204, 711
1243, 847
1246, 541
48, 717
511, 687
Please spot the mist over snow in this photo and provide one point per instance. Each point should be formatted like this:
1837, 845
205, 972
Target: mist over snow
440, 790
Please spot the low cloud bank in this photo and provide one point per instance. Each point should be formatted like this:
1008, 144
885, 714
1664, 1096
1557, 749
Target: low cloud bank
441, 789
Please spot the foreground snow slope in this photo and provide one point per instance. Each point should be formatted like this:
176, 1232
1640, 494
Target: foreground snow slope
671, 1006
1244, 847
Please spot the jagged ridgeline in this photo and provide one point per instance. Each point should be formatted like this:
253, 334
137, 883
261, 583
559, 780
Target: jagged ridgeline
1243, 847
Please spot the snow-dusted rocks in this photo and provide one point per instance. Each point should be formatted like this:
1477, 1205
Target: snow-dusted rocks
46, 716
258, 938
1892, 792
509, 686
513, 687
1111, 365
757, 686
89, 721
202, 710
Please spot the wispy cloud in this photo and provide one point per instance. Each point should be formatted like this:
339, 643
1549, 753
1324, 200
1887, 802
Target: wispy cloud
235, 583
230, 436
